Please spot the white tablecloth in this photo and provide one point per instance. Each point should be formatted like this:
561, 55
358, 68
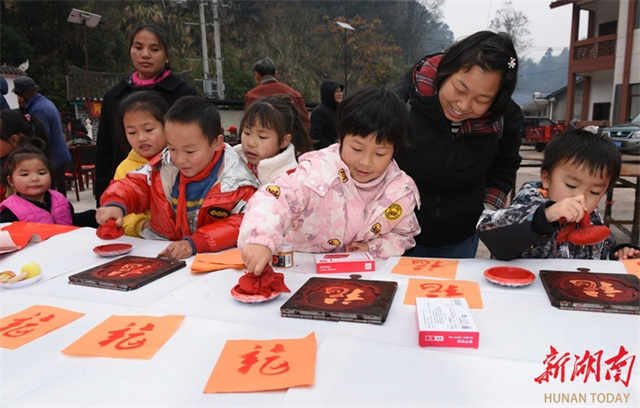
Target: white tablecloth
357, 364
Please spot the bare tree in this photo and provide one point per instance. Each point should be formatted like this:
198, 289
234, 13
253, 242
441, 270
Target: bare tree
514, 23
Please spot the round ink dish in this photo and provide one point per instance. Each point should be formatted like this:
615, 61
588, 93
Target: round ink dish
509, 276
241, 297
115, 249
19, 284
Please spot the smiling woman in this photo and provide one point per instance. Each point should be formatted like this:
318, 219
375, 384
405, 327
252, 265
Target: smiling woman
150, 55
463, 140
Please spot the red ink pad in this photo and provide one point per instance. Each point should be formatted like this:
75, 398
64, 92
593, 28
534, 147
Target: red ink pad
509, 276
245, 298
110, 250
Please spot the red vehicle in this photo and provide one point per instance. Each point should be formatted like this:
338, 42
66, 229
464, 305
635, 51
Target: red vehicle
538, 131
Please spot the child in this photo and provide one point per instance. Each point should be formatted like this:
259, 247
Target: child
15, 130
350, 196
140, 124
274, 133
28, 172
197, 188
579, 168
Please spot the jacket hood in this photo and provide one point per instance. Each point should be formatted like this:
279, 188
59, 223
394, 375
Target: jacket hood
327, 89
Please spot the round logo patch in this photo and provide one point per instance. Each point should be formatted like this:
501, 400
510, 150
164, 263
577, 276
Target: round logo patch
274, 190
393, 212
343, 176
334, 241
376, 228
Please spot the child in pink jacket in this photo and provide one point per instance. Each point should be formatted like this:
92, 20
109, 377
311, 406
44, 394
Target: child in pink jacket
350, 196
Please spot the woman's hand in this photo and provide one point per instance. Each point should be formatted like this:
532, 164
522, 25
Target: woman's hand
358, 247
256, 257
177, 250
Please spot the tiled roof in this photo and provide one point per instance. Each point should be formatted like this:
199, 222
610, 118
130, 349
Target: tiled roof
5, 70
101, 82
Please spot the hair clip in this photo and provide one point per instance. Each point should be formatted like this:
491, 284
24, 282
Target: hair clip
28, 117
512, 63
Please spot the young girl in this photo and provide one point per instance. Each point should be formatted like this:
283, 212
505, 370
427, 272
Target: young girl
15, 130
350, 196
28, 172
140, 124
273, 134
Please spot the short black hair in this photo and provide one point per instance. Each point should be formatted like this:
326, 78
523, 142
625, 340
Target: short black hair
161, 36
374, 111
194, 109
584, 149
492, 52
149, 102
265, 66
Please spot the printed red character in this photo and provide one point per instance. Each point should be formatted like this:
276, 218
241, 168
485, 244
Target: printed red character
618, 365
431, 288
27, 328
128, 342
267, 368
589, 364
555, 366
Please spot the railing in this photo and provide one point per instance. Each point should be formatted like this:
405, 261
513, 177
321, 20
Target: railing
595, 47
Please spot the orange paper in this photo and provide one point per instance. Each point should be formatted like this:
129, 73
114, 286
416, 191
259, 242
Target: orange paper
436, 268
262, 365
34, 322
126, 337
444, 289
24, 232
632, 265
226, 260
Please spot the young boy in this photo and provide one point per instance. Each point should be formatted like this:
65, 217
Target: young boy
197, 188
350, 196
579, 168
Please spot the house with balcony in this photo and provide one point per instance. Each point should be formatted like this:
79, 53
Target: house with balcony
605, 64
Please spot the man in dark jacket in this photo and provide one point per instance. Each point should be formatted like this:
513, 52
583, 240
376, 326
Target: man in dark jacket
324, 118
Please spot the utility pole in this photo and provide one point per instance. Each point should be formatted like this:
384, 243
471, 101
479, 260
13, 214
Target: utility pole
216, 34
206, 82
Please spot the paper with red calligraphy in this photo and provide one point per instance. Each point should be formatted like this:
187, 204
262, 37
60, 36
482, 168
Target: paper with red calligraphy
226, 260
34, 322
436, 268
126, 337
632, 265
263, 365
444, 289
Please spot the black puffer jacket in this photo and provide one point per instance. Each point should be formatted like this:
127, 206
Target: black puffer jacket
109, 154
453, 174
324, 118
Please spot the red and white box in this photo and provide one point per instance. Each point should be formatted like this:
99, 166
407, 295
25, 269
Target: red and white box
344, 262
446, 322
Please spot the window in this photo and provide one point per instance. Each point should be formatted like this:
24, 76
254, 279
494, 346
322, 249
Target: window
601, 111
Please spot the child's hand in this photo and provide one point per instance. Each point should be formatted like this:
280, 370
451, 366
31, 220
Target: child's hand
358, 247
572, 209
627, 253
256, 257
104, 214
177, 250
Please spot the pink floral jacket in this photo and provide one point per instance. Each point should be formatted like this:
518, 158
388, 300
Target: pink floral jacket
320, 210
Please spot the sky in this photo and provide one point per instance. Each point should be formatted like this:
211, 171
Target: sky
549, 27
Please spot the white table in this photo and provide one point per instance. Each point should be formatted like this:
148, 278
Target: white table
357, 364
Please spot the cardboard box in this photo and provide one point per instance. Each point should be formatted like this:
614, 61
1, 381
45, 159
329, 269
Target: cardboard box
446, 322
344, 262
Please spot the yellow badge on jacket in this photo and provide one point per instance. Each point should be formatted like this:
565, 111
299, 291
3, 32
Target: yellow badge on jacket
393, 212
274, 190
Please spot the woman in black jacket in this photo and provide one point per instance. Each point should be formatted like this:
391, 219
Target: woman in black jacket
324, 118
150, 56
463, 141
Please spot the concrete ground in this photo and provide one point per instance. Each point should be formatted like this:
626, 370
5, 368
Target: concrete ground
623, 200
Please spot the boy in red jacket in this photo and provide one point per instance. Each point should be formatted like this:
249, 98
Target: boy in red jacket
197, 188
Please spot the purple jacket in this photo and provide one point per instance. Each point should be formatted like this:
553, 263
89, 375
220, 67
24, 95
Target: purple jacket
26, 212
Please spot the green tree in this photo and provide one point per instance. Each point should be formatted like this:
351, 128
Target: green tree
514, 23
